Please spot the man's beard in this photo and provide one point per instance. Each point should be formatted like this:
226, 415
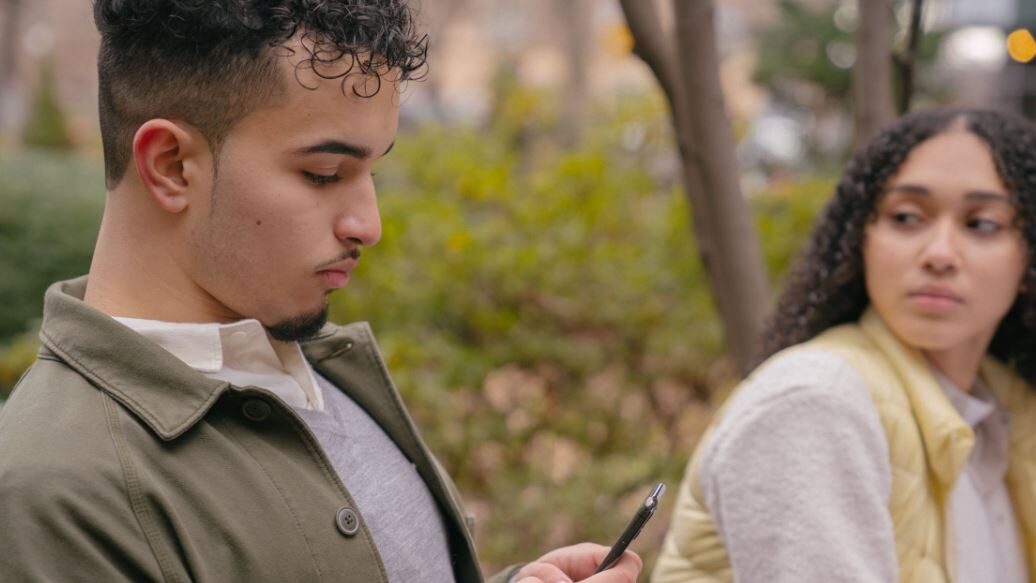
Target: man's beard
300, 327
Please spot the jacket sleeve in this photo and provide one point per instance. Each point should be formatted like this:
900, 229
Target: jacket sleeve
799, 483
793, 484
59, 525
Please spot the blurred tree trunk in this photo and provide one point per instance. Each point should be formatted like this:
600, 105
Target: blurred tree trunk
873, 103
906, 64
687, 68
8, 59
575, 17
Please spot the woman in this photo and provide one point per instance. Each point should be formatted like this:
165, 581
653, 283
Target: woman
890, 435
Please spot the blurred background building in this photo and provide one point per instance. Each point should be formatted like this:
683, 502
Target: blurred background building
580, 52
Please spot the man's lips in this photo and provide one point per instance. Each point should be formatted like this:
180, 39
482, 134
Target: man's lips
336, 274
334, 279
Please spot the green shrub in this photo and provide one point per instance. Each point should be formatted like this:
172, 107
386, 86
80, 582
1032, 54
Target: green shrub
544, 313
50, 209
549, 324
15, 358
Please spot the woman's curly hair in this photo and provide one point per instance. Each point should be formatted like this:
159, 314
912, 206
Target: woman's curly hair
211, 62
826, 285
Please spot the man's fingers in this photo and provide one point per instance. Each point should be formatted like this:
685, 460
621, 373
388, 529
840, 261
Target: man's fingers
580, 561
538, 572
625, 570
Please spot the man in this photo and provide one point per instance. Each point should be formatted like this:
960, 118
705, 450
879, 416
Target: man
190, 416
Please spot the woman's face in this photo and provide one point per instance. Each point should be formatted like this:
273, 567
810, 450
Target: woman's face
944, 259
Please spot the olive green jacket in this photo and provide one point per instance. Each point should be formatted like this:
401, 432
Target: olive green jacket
118, 462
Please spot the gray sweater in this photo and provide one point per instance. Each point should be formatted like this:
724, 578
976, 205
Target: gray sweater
796, 476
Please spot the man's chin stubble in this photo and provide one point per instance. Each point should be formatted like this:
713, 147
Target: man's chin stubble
300, 327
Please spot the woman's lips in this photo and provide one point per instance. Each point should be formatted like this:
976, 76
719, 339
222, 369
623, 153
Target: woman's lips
934, 299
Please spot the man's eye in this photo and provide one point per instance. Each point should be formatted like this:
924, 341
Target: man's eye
320, 179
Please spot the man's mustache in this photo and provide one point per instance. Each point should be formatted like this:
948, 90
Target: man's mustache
353, 253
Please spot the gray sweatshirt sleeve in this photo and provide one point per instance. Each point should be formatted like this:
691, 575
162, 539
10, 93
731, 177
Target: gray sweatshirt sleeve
797, 477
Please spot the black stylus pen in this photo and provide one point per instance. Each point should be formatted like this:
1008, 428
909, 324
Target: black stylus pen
644, 513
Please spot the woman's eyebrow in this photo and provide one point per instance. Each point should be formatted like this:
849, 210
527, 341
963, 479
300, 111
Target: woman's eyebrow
919, 190
907, 188
988, 195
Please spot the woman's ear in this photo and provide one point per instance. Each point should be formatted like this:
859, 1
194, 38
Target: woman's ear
160, 147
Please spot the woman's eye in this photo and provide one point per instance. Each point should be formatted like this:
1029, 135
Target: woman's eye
905, 218
320, 179
984, 225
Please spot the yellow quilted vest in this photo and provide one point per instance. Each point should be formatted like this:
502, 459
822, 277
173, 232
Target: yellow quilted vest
929, 445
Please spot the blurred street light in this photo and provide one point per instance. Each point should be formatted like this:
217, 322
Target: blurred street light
1021, 45
977, 47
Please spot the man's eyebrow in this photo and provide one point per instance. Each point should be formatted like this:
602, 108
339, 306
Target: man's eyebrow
340, 147
918, 190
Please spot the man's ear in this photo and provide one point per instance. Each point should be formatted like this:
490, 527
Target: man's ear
160, 148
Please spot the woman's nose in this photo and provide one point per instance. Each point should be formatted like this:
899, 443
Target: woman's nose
940, 254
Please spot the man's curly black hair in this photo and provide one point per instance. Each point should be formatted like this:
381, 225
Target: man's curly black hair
826, 285
212, 62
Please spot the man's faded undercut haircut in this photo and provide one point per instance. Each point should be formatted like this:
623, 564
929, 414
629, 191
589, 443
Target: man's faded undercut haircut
212, 62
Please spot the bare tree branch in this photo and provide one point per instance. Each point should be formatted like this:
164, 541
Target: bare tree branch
872, 76
907, 63
722, 221
650, 43
652, 46
744, 297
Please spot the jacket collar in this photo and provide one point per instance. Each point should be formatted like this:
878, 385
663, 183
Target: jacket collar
948, 439
164, 392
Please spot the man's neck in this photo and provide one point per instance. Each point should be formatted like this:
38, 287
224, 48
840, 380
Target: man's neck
134, 276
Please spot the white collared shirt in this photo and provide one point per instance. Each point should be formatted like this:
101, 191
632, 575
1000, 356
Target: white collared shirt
241, 353
987, 535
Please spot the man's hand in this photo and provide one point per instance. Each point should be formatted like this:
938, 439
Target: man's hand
578, 563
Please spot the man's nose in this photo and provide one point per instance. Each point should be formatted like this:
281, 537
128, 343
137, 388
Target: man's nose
360, 221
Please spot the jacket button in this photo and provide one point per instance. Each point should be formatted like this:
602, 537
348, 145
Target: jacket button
256, 410
347, 521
